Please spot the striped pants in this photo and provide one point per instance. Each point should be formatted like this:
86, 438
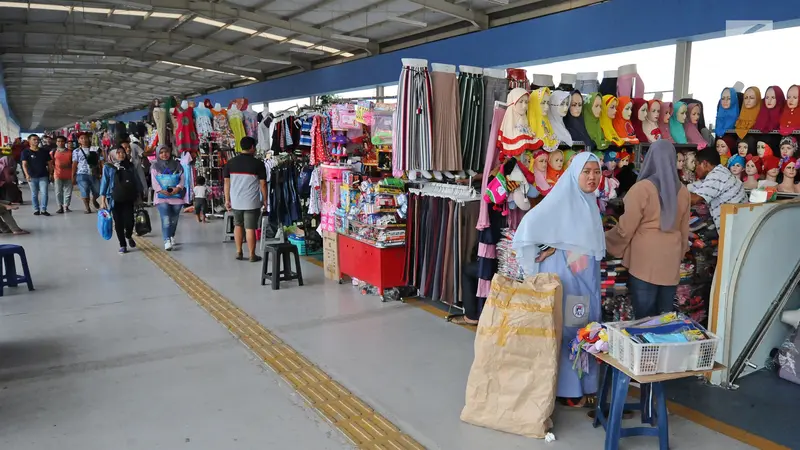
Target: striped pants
413, 131
472, 98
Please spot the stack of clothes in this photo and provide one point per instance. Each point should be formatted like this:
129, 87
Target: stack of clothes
698, 266
614, 291
506, 256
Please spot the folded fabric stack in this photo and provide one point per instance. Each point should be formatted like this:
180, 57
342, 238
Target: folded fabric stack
666, 329
614, 291
697, 268
506, 257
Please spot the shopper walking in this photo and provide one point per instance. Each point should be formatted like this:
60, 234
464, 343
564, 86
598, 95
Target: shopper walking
168, 182
62, 159
564, 235
87, 171
136, 155
652, 236
120, 191
245, 195
37, 165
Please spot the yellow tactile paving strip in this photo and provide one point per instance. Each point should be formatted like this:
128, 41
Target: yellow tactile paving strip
366, 428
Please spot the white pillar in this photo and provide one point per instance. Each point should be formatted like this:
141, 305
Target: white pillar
683, 63
379, 94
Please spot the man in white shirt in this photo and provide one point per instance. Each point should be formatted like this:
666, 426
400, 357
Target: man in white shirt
717, 185
87, 171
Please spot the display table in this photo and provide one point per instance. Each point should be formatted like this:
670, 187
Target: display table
380, 267
652, 402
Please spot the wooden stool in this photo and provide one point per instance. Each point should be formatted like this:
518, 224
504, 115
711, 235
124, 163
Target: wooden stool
280, 252
8, 267
227, 231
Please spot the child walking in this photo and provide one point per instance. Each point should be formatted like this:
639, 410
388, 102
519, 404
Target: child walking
200, 202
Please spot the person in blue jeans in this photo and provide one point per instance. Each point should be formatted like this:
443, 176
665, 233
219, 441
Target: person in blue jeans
37, 165
168, 182
87, 169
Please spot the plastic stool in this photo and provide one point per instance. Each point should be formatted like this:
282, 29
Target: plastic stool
8, 267
227, 232
276, 275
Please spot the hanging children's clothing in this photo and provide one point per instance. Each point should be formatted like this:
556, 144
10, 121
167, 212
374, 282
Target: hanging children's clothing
236, 122
202, 120
251, 123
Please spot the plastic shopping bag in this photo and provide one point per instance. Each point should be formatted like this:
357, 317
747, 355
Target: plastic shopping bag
105, 224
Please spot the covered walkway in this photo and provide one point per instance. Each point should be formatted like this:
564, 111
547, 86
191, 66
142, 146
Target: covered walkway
112, 351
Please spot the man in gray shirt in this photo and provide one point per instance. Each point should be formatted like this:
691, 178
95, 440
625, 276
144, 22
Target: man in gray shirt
245, 195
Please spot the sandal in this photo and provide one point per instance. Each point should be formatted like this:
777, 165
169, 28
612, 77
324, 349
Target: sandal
461, 320
21, 232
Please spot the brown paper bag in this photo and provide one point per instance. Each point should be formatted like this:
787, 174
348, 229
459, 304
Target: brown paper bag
512, 383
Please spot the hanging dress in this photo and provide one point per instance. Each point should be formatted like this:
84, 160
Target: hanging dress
185, 131
202, 120
160, 118
236, 121
221, 127
251, 123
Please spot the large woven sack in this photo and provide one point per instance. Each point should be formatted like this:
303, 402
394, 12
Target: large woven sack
512, 382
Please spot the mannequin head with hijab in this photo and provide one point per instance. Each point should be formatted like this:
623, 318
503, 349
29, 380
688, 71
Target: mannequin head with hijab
752, 172
750, 98
743, 148
521, 105
575, 104
788, 147
793, 96
789, 172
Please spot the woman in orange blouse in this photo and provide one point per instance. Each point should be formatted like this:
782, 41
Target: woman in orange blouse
652, 236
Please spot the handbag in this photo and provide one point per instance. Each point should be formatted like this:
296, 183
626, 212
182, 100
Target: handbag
141, 222
105, 225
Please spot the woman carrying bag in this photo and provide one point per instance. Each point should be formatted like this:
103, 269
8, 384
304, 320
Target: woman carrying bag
168, 183
120, 192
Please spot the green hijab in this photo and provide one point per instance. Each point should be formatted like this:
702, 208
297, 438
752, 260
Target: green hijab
593, 123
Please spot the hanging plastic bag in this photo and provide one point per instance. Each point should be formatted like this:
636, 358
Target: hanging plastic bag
105, 225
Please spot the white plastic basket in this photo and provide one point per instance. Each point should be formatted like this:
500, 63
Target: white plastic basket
650, 359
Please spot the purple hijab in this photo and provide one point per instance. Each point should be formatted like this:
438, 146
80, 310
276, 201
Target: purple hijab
660, 168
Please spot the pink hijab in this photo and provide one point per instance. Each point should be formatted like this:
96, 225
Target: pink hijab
664, 127
693, 135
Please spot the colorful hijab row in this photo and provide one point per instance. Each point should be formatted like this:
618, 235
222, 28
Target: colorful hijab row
749, 111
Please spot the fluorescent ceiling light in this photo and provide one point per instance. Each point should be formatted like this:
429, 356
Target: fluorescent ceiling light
94, 39
247, 69
274, 37
299, 42
327, 49
85, 52
413, 22
251, 78
345, 37
348, 55
499, 2
242, 29
49, 7
129, 4
85, 10
130, 12
101, 23
309, 51
13, 5
214, 23
275, 61
166, 15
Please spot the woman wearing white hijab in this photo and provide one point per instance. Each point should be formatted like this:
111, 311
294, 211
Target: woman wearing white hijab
564, 235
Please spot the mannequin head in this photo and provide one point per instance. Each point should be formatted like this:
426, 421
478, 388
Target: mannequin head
521, 105
681, 161
556, 160
771, 167
789, 169
722, 148
624, 159
545, 103
694, 114
597, 106
654, 109
627, 111
750, 98
563, 107
753, 167
681, 114
761, 147
575, 104
736, 166
611, 109
788, 147
691, 161
610, 160
642, 112
541, 159
667, 113
725, 100
770, 99
743, 147
792, 97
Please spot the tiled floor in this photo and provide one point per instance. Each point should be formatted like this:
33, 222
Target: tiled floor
109, 352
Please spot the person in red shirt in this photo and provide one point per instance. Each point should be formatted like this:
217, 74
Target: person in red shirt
62, 156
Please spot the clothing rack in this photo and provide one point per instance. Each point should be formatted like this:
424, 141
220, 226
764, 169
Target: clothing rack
456, 192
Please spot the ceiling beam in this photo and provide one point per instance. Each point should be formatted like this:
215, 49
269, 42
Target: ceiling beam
136, 55
476, 18
225, 9
85, 30
115, 77
113, 68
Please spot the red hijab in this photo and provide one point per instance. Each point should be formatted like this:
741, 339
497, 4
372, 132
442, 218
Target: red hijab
769, 118
637, 124
790, 118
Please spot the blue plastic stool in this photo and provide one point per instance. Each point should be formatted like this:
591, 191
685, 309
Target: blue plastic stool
8, 267
652, 404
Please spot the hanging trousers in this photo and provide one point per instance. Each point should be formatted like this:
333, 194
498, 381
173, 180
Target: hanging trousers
587, 86
495, 89
608, 86
413, 133
472, 96
446, 122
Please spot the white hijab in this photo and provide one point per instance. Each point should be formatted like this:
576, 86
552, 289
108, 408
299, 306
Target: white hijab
567, 219
556, 119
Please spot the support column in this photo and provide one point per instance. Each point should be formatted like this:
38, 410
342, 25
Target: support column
313, 100
379, 94
683, 63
